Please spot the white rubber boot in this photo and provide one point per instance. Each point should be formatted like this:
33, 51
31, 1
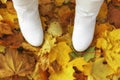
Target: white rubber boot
84, 24
29, 21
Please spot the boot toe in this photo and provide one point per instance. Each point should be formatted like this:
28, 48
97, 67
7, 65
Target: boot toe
80, 46
83, 36
35, 39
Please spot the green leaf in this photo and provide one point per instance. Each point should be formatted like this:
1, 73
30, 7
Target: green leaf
74, 55
88, 56
92, 49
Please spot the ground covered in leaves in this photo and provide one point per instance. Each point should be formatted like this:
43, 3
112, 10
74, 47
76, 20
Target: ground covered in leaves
56, 58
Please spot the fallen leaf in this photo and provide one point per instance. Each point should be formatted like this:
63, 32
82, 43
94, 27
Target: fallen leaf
13, 63
48, 44
115, 2
109, 43
63, 57
114, 16
5, 28
2, 49
102, 16
13, 41
101, 70
41, 2
65, 74
1, 18
28, 47
59, 2
78, 63
3, 1
55, 29
66, 12
39, 74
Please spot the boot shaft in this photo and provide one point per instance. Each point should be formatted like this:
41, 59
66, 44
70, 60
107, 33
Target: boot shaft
25, 4
89, 6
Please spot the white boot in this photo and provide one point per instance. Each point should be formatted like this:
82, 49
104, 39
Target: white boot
84, 24
29, 21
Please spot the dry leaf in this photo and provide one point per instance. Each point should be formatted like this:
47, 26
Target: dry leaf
78, 63
3, 1
109, 43
59, 2
28, 47
64, 14
13, 63
101, 70
65, 74
39, 74
5, 28
48, 44
57, 58
13, 41
55, 29
114, 16
102, 16
63, 57
41, 2
1, 18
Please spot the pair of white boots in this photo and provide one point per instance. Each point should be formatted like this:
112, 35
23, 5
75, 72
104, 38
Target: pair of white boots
84, 24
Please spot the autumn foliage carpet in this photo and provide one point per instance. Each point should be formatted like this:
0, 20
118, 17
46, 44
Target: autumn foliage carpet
56, 59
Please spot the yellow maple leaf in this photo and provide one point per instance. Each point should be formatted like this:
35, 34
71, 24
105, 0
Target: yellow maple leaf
114, 35
79, 63
13, 63
65, 74
63, 53
109, 42
60, 53
48, 44
113, 59
104, 44
88, 68
101, 70
3, 1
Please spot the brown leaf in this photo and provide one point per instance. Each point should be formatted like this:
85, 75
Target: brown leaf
44, 1
10, 7
43, 75
5, 28
116, 2
13, 63
80, 76
66, 12
46, 9
114, 16
13, 41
